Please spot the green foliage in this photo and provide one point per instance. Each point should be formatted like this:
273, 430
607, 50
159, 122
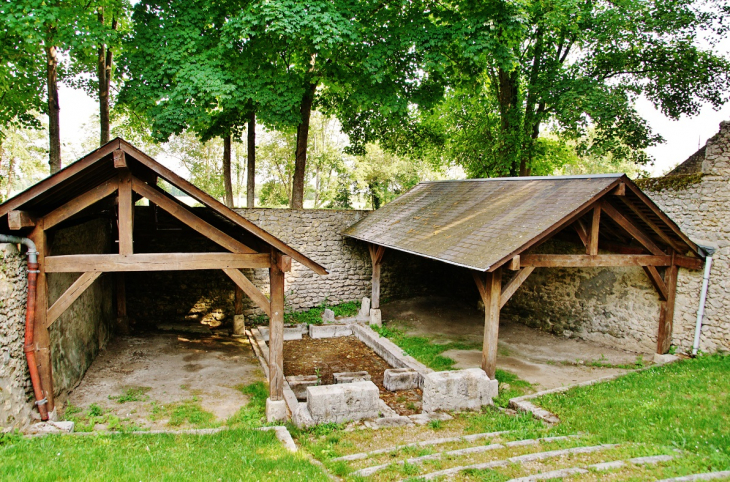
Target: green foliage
187, 412
254, 413
23, 154
132, 394
86, 420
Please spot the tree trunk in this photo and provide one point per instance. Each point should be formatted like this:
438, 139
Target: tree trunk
508, 97
300, 162
251, 168
105, 78
54, 122
227, 170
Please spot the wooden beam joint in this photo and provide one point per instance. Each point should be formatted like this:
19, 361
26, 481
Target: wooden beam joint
18, 220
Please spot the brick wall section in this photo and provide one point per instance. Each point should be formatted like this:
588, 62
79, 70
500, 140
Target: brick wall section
618, 307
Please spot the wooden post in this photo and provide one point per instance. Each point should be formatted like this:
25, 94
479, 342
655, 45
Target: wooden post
125, 214
666, 313
491, 298
376, 256
276, 329
592, 247
41, 335
238, 302
122, 318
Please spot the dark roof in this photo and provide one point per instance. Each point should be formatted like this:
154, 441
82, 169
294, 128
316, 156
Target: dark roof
98, 166
482, 223
692, 165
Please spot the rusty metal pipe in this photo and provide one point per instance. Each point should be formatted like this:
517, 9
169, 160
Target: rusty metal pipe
29, 347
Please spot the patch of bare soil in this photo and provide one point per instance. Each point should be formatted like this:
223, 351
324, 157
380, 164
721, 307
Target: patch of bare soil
326, 356
169, 368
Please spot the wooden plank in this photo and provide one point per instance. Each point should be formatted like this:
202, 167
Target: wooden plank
120, 159
125, 214
652, 225
213, 203
689, 263
592, 246
80, 203
78, 263
493, 290
187, 217
18, 220
586, 261
76, 289
666, 322
40, 333
656, 281
59, 177
248, 287
514, 263
276, 331
511, 287
632, 229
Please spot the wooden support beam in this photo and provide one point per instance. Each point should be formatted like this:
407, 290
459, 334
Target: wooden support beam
41, 335
276, 330
592, 244
657, 281
514, 263
285, 263
76, 289
492, 294
652, 225
620, 190
687, 262
376, 256
120, 159
125, 214
187, 217
80, 203
78, 263
238, 301
18, 220
666, 314
632, 229
248, 287
585, 261
580, 228
511, 287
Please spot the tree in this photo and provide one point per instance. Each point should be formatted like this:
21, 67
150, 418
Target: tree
22, 155
517, 69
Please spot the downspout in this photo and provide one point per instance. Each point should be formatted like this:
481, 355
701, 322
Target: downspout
29, 349
703, 298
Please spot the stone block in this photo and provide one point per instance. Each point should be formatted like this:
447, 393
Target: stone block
376, 318
401, 379
364, 314
290, 333
328, 316
388, 422
468, 389
329, 331
275, 410
301, 416
351, 377
239, 325
662, 359
424, 418
299, 384
342, 403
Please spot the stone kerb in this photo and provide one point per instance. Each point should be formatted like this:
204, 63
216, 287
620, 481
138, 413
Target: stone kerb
467, 389
343, 402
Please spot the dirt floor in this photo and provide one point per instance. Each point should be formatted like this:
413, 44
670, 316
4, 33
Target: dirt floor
326, 356
546, 360
168, 368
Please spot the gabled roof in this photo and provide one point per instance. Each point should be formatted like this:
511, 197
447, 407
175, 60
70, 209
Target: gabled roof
98, 167
483, 223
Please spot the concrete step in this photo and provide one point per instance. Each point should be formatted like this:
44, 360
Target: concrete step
424, 443
703, 476
519, 459
616, 464
458, 453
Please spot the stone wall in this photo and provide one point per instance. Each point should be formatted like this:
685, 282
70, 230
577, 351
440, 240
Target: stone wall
619, 307
15, 388
208, 296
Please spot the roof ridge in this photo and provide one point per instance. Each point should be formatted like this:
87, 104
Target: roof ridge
530, 178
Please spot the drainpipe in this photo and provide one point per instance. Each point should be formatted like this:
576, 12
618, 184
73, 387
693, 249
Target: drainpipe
29, 349
703, 298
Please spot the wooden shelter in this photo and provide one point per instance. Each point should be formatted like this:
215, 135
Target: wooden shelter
493, 226
112, 179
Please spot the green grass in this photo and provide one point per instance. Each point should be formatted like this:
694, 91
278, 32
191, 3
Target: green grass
132, 394
188, 413
86, 420
430, 354
254, 413
682, 405
235, 455
313, 316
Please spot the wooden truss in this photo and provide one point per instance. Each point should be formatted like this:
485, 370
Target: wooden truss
125, 189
